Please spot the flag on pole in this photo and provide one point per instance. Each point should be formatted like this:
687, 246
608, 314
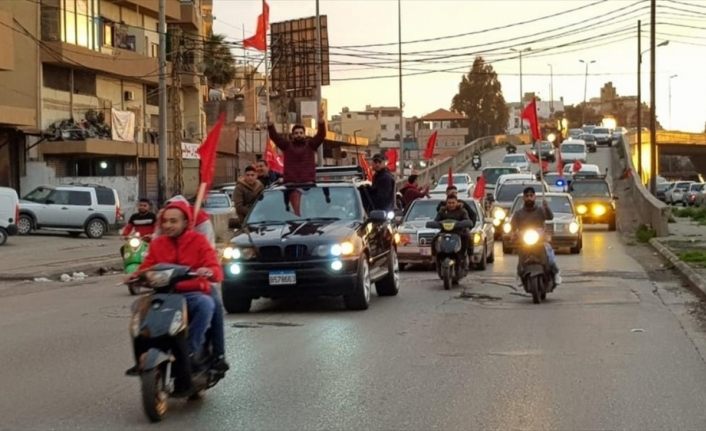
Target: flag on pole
530, 114
532, 157
431, 144
207, 153
273, 158
363, 163
577, 166
559, 164
450, 181
479, 191
391, 156
259, 39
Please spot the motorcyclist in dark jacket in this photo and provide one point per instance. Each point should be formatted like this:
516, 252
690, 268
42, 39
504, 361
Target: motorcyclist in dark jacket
532, 217
453, 210
383, 187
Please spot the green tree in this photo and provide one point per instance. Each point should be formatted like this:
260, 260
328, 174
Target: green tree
218, 60
480, 99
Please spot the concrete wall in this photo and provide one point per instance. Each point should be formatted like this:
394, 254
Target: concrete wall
38, 174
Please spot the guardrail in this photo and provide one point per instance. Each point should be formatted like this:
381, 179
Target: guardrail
650, 211
458, 162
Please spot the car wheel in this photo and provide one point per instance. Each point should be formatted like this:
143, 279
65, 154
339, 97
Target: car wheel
579, 246
390, 284
234, 304
360, 298
25, 224
483, 264
3, 236
95, 228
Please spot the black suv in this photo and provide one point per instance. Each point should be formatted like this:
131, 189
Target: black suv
594, 200
313, 240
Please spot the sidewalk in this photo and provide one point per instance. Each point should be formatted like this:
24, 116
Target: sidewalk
685, 248
52, 254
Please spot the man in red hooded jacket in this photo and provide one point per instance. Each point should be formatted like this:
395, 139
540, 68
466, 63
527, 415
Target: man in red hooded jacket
179, 244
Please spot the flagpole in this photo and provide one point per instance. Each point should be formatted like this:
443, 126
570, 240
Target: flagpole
267, 64
538, 145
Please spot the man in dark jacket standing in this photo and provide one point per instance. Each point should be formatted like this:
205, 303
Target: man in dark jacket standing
383, 188
299, 151
411, 191
246, 192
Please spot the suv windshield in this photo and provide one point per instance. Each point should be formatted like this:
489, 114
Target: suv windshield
572, 148
491, 175
339, 203
507, 192
558, 204
39, 194
458, 179
590, 188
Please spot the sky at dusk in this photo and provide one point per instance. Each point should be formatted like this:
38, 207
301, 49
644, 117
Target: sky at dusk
558, 32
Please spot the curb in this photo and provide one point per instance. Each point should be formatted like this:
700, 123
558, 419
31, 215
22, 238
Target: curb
687, 271
89, 269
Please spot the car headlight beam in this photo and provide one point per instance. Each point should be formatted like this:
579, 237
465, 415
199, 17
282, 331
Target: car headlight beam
573, 227
530, 237
598, 210
507, 228
499, 213
477, 238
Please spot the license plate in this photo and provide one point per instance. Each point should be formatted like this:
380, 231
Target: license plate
425, 251
282, 278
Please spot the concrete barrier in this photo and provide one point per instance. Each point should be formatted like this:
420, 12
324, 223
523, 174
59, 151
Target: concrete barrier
650, 211
459, 161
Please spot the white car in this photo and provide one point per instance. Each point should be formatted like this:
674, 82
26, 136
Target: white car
463, 182
572, 150
9, 212
586, 169
523, 176
603, 136
519, 161
676, 193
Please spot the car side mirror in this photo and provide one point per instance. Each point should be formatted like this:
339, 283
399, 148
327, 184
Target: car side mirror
377, 216
234, 223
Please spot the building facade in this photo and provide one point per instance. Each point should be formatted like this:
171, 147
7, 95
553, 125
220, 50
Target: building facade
451, 134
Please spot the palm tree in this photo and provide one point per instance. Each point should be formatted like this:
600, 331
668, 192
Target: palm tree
218, 60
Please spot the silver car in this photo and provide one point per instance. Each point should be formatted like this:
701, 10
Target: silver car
689, 198
70, 208
416, 238
674, 195
519, 161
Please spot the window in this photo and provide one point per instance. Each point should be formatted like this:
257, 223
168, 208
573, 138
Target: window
80, 198
108, 34
397, 127
80, 23
154, 49
105, 196
56, 78
58, 197
383, 127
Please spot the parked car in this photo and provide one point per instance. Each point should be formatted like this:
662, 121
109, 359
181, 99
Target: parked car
92, 209
565, 230
463, 182
504, 197
662, 189
9, 213
674, 195
415, 238
603, 136
217, 202
318, 240
546, 149
590, 140
519, 161
689, 198
572, 150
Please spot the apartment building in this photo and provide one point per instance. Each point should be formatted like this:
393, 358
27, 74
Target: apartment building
80, 83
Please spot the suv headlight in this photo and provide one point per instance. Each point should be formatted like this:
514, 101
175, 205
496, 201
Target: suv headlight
343, 249
234, 253
573, 227
598, 210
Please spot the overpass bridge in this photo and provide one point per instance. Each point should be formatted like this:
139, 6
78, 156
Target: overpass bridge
670, 143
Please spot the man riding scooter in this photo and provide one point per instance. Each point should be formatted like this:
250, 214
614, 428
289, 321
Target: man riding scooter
532, 217
179, 244
143, 223
454, 210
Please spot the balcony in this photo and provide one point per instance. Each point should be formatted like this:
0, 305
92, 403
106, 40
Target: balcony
191, 16
172, 9
103, 147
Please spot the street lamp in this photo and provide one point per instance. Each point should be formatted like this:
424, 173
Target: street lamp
585, 88
355, 142
670, 101
551, 88
520, 51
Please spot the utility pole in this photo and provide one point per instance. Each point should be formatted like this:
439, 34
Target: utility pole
585, 90
551, 87
520, 51
175, 108
162, 166
318, 78
653, 98
399, 67
639, 100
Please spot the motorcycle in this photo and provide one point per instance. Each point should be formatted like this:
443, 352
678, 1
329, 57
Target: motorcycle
476, 162
511, 149
134, 252
451, 263
535, 272
158, 327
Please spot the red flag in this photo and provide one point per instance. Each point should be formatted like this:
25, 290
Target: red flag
479, 191
259, 40
451, 177
577, 166
532, 158
530, 114
391, 155
545, 166
559, 164
363, 163
273, 158
207, 153
431, 144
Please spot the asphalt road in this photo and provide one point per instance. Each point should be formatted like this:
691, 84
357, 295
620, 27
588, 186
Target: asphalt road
618, 346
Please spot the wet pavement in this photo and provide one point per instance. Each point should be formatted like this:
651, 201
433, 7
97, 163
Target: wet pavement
620, 345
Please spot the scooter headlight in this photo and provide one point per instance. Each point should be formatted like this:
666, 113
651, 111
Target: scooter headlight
499, 214
530, 237
134, 242
573, 227
177, 323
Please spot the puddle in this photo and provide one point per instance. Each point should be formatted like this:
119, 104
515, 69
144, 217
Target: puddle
251, 325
